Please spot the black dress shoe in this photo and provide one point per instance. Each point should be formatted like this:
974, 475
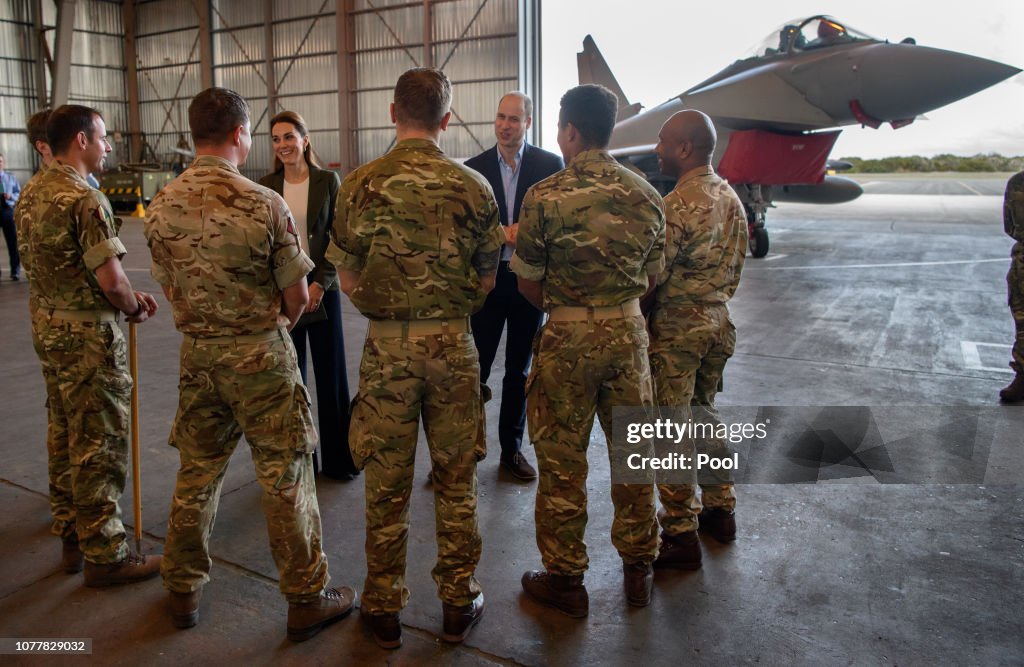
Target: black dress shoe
519, 467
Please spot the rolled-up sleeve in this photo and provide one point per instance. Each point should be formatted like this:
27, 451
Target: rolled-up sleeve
97, 255
530, 258
656, 258
97, 233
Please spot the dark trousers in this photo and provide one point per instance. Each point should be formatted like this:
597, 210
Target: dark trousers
10, 236
327, 345
505, 303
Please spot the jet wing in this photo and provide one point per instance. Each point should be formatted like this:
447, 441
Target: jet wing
757, 98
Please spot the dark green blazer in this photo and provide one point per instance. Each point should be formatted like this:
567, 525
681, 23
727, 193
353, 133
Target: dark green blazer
323, 193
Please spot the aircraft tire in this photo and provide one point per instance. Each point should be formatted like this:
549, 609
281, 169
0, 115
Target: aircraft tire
758, 242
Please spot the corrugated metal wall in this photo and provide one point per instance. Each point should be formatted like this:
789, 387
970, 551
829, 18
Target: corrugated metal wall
476, 42
167, 62
97, 72
18, 98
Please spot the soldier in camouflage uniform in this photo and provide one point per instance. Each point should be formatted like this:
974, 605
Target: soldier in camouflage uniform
78, 289
591, 242
36, 128
225, 251
692, 335
1013, 224
416, 243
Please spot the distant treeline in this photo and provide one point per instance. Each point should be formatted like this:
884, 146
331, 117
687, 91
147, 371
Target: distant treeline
916, 163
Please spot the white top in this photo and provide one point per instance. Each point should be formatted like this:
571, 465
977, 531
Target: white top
296, 195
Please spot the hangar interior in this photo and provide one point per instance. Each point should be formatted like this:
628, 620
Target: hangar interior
140, 62
868, 304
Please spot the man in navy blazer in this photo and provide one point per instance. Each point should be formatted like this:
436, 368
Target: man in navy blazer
511, 167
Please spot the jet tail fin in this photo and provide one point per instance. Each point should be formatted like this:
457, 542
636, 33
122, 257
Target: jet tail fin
592, 68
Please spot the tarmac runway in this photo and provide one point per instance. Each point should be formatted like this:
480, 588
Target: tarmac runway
893, 300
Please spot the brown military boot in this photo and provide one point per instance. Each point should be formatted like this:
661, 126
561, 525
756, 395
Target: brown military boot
185, 608
565, 593
458, 621
1013, 392
135, 567
71, 555
305, 619
721, 523
386, 628
679, 552
638, 579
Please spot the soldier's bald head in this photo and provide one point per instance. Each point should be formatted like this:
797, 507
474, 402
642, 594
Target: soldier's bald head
687, 140
695, 128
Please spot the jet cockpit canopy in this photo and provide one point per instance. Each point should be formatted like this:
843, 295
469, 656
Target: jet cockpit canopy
806, 34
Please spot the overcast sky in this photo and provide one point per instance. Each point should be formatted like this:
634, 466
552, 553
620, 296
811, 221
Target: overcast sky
659, 48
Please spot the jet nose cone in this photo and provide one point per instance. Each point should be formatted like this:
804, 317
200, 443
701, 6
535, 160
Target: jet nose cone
904, 80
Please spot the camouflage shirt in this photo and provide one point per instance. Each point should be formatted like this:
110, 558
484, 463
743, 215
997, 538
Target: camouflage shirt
420, 229
225, 248
591, 233
66, 230
705, 241
1013, 207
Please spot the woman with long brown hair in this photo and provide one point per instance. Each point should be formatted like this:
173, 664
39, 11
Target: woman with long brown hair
311, 193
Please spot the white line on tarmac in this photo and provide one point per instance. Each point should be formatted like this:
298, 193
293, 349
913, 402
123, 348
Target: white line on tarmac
775, 257
970, 188
748, 266
972, 357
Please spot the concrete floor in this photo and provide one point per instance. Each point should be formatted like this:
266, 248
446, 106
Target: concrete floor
856, 305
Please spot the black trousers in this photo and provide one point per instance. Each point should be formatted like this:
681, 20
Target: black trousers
506, 304
10, 236
327, 345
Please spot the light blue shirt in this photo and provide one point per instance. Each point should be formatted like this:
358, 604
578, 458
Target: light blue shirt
510, 182
8, 183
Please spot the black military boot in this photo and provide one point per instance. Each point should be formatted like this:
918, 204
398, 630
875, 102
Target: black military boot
185, 608
386, 628
721, 523
565, 593
679, 552
71, 555
1013, 392
458, 621
638, 579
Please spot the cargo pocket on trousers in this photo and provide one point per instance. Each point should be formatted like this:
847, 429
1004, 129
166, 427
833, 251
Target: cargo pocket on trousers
304, 432
358, 443
111, 402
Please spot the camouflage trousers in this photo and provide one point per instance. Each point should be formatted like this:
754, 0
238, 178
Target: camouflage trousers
583, 368
690, 346
228, 389
400, 379
1015, 289
88, 401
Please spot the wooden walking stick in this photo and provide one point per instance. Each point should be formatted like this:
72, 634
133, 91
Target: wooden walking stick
133, 367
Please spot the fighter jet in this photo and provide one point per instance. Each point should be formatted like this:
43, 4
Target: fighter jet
774, 110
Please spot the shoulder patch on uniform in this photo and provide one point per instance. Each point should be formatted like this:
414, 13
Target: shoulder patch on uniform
98, 214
